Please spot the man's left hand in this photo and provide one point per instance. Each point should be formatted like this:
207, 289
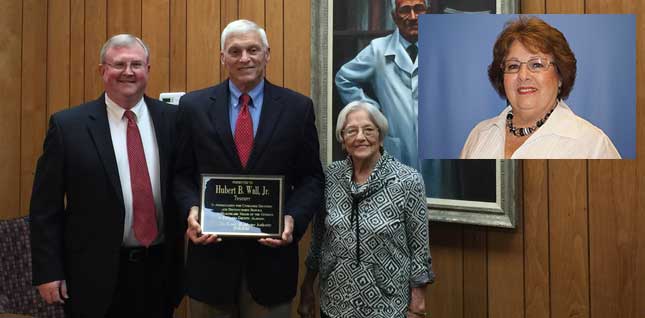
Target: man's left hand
287, 235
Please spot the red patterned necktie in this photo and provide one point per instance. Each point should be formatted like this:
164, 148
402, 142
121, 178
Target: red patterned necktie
244, 131
144, 214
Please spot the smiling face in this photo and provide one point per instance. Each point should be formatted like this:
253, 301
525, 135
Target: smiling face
361, 137
530, 94
125, 86
245, 58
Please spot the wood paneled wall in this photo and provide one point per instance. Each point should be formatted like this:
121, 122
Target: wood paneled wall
50, 56
49, 60
577, 250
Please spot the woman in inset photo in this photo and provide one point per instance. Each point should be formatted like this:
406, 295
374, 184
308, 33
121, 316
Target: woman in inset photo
535, 70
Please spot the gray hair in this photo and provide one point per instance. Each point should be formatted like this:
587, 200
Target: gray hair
123, 40
374, 113
243, 26
393, 5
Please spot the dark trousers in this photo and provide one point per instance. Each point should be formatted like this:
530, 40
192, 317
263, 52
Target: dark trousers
141, 287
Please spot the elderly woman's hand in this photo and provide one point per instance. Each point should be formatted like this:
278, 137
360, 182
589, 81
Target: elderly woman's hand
307, 298
306, 305
417, 306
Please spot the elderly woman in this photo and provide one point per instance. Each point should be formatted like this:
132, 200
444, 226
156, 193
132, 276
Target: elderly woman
371, 247
534, 69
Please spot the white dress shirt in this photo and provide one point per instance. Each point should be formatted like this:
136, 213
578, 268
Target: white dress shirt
563, 136
118, 127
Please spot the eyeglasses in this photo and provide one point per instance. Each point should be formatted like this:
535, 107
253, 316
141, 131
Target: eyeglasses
368, 131
237, 51
406, 11
535, 65
121, 66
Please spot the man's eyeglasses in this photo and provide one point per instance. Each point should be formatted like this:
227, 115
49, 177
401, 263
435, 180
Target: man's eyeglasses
352, 132
406, 11
535, 65
121, 66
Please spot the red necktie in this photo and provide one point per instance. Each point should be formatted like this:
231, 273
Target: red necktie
144, 214
244, 131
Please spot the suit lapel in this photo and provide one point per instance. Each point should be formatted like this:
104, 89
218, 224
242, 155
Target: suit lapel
400, 55
157, 114
219, 116
99, 129
269, 117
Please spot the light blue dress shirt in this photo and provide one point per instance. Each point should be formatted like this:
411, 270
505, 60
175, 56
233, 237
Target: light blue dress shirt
255, 105
386, 66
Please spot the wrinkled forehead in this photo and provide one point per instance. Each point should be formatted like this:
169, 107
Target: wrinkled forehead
244, 39
531, 44
131, 51
358, 116
401, 3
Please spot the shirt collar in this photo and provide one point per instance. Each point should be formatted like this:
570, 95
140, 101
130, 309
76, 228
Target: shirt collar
395, 45
118, 111
253, 93
562, 122
405, 43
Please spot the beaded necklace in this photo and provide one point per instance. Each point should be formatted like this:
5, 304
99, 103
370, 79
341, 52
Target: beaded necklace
525, 131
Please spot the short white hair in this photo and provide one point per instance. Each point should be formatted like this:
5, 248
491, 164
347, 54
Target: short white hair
372, 111
243, 26
393, 5
123, 40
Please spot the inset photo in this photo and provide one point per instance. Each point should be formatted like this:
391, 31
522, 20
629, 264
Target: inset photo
527, 86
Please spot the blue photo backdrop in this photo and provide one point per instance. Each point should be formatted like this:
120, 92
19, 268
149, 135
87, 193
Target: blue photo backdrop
455, 93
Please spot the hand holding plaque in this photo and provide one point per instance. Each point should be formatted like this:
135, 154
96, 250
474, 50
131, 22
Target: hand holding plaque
194, 230
242, 206
285, 239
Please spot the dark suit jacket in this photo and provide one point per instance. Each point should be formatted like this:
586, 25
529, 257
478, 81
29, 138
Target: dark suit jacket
286, 143
80, 241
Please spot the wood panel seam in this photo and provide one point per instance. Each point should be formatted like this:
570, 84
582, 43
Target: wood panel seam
141, 21
548, 228
186, 46
70, 46
463, 271
284, 49
523, 224
588, 232
487, 277
84, 49
22, 36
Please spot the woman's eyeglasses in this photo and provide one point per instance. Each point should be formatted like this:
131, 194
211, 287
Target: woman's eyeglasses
535, 65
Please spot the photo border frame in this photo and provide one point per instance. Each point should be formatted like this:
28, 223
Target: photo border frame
502, 213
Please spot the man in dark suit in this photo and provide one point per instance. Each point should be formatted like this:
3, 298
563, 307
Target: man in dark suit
246, 125
105, 235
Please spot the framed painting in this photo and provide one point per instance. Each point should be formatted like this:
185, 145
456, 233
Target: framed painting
482, 192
